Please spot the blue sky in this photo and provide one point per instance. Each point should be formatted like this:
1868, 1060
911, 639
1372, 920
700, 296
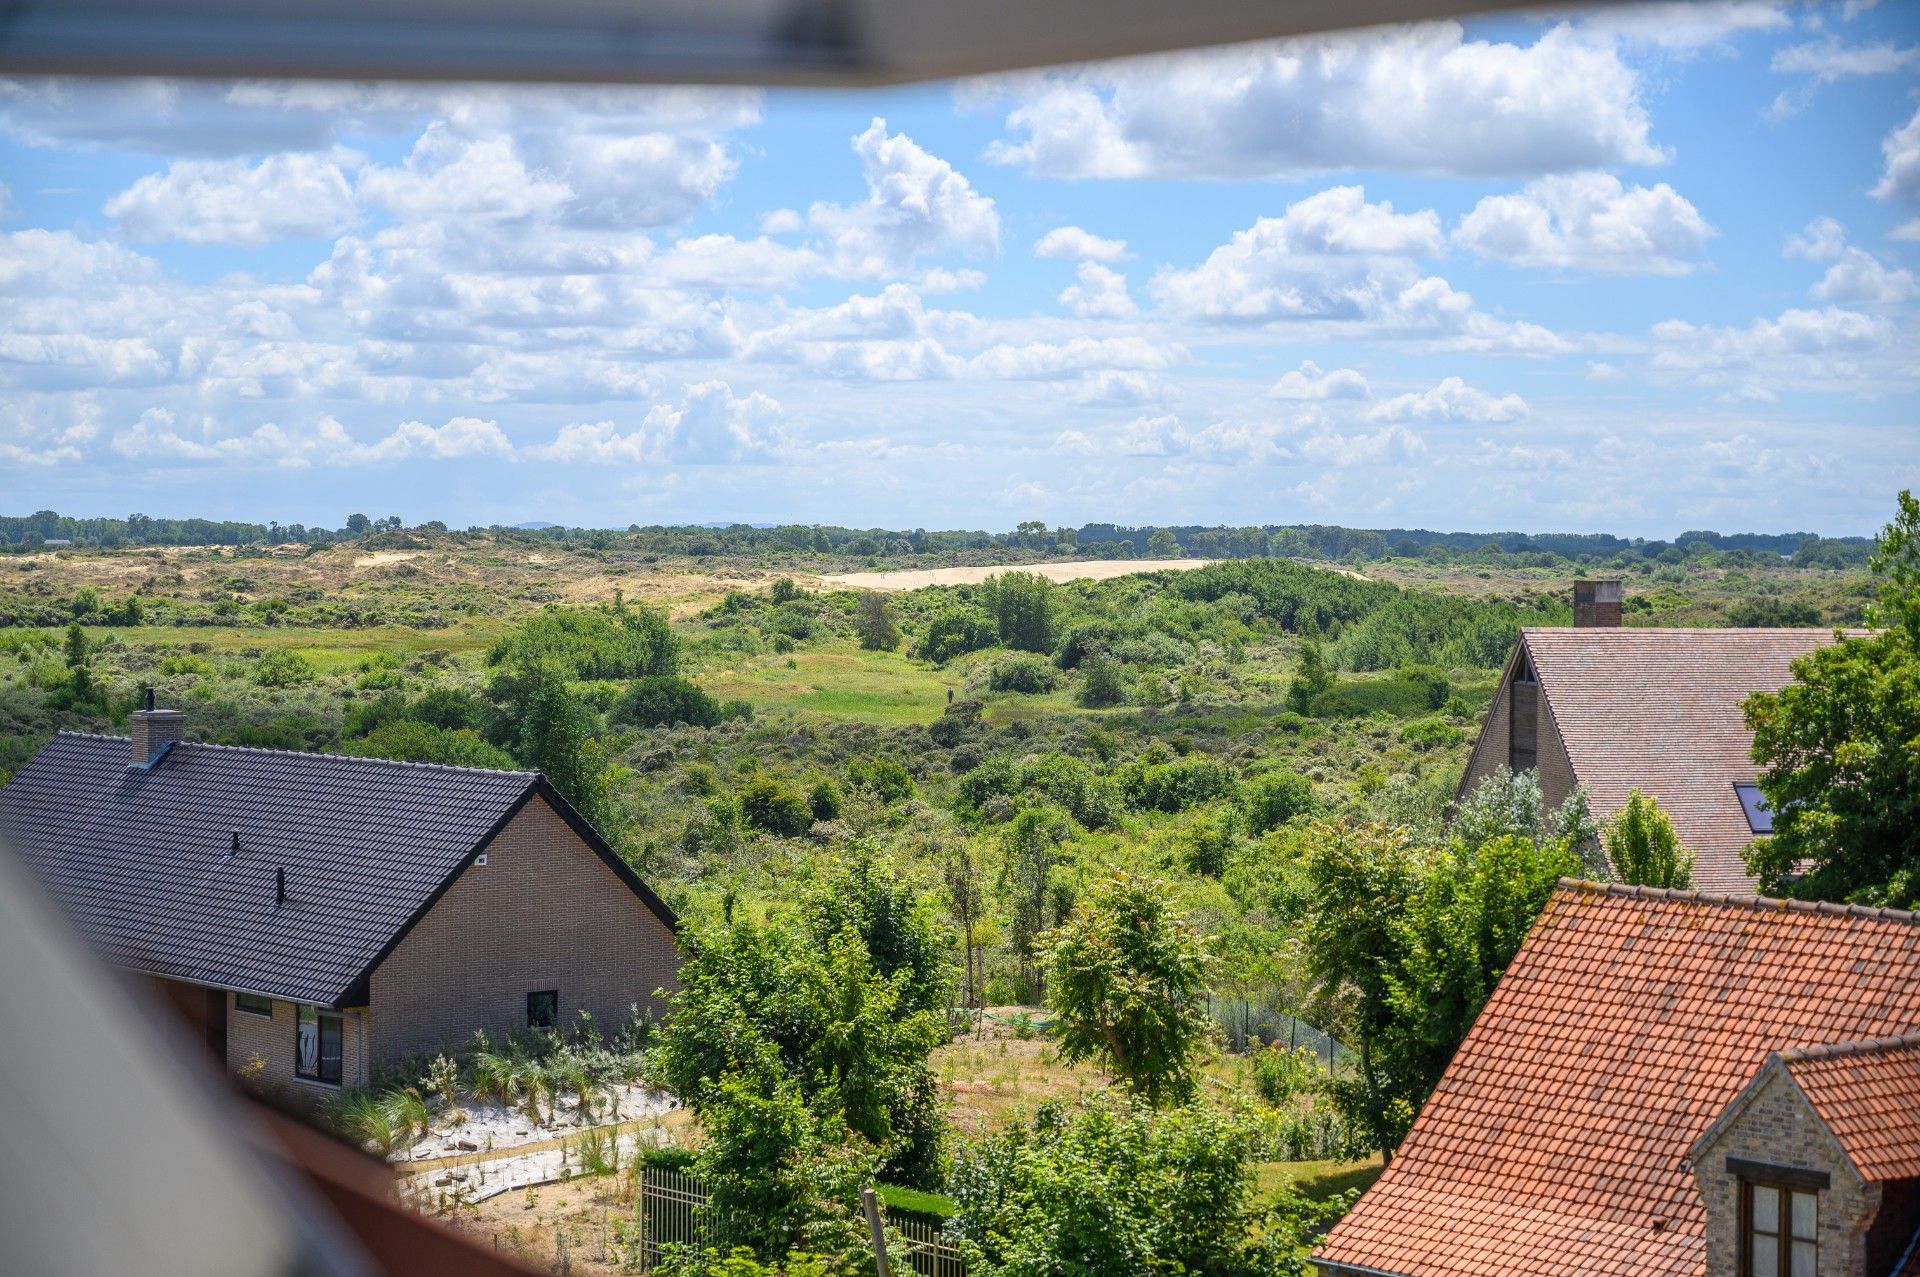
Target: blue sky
1640, 270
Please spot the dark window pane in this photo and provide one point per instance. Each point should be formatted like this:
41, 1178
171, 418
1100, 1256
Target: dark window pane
1754, 803
252, 1004
543, 1009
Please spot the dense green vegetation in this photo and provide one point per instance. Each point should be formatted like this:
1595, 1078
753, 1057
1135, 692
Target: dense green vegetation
1178, 810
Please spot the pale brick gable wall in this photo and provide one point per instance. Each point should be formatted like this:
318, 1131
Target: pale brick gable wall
1490, 754
260, 1051
1777, 1127
544, 912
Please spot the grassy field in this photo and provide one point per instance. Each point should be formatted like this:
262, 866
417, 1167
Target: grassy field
839, 681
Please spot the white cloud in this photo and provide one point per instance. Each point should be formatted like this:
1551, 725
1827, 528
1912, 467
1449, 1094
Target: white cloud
1822, 240
1110, 388
156, 437
1332, 258
1451, 400
1858, 278
1830, 61
1307, 382
1588, 221
1100, 294
1070, 243
1385, 446
1600, 370
451, 176
1800, 345
1684, 28
1418, 99
710, 425
917, 205
233, 202
1042, 359
1901, 179
781, 221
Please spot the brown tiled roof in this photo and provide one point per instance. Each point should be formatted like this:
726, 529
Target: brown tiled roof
1556, 1141
1868, 1094
1658, 710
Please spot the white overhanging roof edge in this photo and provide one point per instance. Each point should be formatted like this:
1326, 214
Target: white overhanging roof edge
773, 42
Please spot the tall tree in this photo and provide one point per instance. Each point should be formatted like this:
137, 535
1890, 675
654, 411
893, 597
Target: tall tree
874, 623
1129, 980
1022, 606
1643, 848
1839, 750
1029, 849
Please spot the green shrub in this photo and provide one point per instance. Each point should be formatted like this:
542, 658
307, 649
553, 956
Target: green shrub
1404, 695
282, 668
1281, 1075
1178, 785
768, 804
1271, 799
1643, 848
1429, 732
1025, 673
824, 800
664, 700
888, 780
419, 743
622, 642
955, 632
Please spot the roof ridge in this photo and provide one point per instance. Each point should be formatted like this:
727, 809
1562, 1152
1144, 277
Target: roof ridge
316, 753
1730, 900
1845, 1050
1614, 630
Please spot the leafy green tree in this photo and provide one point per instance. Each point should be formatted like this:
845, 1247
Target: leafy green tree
1163, 544
1102, 682
282, 668
614, 642
1356, 881
1839, 750
664, 700
1129, 979
1310, 678
1029, 850
1117, 1187
1644, 849
895, 918
540, 719
955, 632
784, 590
887, 779
873, 622
1022, 607
418, 742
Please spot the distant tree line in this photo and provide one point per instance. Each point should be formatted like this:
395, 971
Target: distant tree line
1031, 538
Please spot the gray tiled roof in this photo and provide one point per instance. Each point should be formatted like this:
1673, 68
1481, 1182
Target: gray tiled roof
1659, 710
139, 858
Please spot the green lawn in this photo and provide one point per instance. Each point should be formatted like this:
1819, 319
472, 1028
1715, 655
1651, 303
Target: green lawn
843, 682
1318, 1180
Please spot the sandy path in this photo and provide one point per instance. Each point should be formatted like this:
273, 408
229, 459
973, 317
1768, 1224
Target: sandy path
1081, 570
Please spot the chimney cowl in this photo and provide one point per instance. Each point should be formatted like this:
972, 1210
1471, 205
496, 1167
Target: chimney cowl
1596, 604
152, 731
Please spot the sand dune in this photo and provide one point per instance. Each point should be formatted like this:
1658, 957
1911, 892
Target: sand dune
1080, 570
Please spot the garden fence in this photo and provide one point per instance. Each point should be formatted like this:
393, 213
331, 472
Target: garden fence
671, 1212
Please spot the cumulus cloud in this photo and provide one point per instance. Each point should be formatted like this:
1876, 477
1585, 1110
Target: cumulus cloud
711, 424
917, 205
156, 437
233, 202
1100, 294
1800, 345
1855, 276
1332, 258
1070, 243
1588, 221
1900, 180
1822, 240
1684, 28
1418, 99
448, 175
1451, 400
1309, 383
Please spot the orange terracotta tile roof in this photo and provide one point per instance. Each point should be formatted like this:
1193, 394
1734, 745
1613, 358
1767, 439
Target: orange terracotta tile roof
1658, 710
1868, 1094
1557, 1140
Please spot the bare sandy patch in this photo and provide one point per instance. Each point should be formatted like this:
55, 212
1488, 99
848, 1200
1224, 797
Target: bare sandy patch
375, 558
1078, 570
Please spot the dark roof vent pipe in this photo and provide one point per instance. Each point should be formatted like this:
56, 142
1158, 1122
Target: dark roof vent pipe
279, 886
233, 852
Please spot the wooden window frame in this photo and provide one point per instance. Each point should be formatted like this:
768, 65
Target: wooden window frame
1786, 1183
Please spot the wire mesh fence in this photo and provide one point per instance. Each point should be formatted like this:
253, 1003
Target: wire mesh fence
670, 1212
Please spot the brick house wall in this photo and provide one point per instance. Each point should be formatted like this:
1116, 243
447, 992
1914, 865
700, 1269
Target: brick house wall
1777, 1127
260, 1052
544, 912
1554, 766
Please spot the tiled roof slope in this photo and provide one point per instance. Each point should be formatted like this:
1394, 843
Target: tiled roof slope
1868, 1094
1556, 1141
139, 858
1659, 710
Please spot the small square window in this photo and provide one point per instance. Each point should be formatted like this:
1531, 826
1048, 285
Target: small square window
253, 1004
543, 1009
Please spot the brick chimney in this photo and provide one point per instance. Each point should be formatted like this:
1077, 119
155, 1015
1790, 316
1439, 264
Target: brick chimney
1596, 605
153, 730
